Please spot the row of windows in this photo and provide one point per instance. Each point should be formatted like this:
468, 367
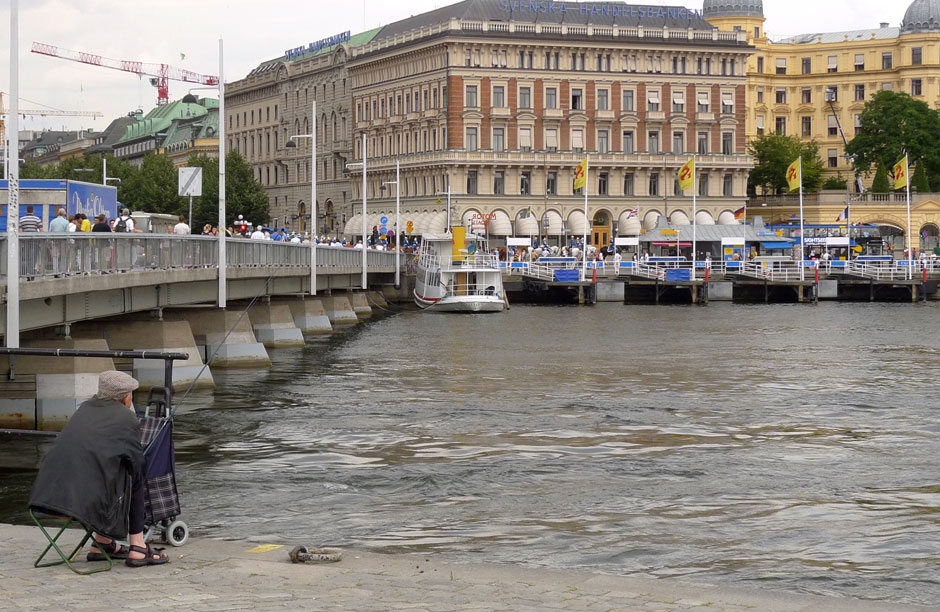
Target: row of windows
602, 99
832, 62
603, 140
654, 186
242, 120
403, 102
601, 62
832, 92
412, 141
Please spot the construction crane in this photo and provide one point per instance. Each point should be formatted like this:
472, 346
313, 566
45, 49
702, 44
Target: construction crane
39, 112
161, 73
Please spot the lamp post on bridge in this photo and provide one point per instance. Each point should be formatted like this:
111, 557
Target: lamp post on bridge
397, 182
313, 193
365, 260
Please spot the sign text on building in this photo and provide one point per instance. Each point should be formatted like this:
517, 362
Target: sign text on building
313, 47
607, 9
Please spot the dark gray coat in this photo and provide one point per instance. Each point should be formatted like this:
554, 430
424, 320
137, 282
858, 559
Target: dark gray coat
88, 473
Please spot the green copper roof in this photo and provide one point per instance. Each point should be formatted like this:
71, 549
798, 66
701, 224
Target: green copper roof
161, 118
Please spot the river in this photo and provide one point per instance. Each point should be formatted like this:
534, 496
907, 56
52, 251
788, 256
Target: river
792, 447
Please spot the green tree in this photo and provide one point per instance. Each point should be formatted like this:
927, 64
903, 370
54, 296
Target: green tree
244, 195
920, 181
154, 187
835, 182
892, 124
773, 154
881, 184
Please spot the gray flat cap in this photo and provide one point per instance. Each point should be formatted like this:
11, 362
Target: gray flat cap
115, 385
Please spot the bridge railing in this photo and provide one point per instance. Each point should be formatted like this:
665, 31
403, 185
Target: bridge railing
65, 255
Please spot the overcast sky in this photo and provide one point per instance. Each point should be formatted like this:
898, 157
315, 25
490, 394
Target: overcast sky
185, 33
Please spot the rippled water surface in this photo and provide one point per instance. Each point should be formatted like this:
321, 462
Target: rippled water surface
790, 447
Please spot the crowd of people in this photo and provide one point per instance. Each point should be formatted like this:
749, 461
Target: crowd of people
79, 222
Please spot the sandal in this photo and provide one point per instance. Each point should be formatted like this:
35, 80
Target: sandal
152, 556
114, 550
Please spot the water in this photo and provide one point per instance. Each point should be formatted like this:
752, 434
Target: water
791, 447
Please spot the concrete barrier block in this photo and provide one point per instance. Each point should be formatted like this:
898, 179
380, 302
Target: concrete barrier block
720, 291
360, 305
339, 310
225, 337
610, 292
274, 327
310, 316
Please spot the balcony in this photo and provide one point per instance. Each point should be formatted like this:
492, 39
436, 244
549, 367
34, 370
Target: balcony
604, 115
704, 116
501, 112
553, 113
655, 115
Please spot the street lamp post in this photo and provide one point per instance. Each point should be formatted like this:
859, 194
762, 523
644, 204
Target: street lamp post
365, 279
12, 333
223, 291
313, 193
396, 182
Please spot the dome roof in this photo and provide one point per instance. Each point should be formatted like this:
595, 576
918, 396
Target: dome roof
921, 16
734, 8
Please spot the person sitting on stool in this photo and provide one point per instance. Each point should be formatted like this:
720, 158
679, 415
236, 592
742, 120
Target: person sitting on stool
94, 473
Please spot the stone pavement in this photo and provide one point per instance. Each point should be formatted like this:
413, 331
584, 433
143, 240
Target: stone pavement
227, 575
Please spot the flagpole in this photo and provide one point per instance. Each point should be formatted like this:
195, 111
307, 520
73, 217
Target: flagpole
587, 162
910, 250
694, 214
802, 232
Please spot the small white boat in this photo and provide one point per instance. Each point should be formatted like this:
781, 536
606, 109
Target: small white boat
457, 274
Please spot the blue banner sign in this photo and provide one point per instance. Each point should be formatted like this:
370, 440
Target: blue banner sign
608, 9
298, 52
91, 199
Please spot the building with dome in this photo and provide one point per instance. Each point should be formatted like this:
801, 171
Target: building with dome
789, 79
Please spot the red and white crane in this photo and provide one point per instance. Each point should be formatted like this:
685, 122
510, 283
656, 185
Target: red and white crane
161, 73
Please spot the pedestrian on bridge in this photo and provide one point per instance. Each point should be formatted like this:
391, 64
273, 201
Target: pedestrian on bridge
182, 228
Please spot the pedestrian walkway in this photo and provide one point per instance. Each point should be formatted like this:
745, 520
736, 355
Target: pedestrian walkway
238, 575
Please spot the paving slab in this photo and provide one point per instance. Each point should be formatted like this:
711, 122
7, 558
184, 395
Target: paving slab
226, 575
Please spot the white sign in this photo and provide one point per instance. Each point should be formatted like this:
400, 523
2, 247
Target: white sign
626, 241
732, 242
838, 241
518, 242
190, 181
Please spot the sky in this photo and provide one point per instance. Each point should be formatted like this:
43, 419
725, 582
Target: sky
185, 34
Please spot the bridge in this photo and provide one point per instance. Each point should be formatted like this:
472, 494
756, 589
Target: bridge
94, 292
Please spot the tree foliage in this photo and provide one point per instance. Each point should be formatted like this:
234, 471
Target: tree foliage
881, 184
920, 182
154, 186
835, 182
773, 154
891, 125
244, 195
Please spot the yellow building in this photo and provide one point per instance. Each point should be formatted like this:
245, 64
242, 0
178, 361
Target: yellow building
790, 80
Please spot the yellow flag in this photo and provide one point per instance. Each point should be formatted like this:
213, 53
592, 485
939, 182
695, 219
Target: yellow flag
794, 175
687, 175
900, 174
580, 175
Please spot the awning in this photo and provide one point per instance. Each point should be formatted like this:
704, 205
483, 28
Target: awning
577, 224
527, 226
555, 225
776, 245
501, 225
437, 224
682, 245
353, 226
628, 224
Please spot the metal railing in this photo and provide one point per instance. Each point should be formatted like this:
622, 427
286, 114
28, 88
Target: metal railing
465, 289
66, 255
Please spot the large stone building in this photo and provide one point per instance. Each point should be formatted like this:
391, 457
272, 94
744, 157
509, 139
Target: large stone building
273, 103
789, 79
500, 100
179, 129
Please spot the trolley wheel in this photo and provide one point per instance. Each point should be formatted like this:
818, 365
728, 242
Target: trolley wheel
177, 533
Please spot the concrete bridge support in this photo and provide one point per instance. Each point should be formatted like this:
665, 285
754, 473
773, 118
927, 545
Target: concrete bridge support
309, 316
360, 305
152, 336
274, 327
48, 390
339, 310
238, 349
377, 300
